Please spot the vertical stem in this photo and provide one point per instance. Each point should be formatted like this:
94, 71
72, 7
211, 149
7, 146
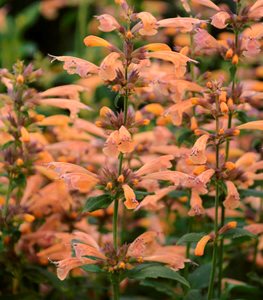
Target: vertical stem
215, 246
115, 286
115, 277
214, 257
7, 199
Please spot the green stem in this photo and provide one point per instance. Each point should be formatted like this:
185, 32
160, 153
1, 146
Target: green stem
215, 245
7, 199
115, 286
215, 248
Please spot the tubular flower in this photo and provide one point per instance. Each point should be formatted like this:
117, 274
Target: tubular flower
232, 200
107, 23
95, 41
130, 198
109, 67
198, 155
119, 141
74, 65
148, 23
85, 246
196, 205
200, 247
182, 24
176, 111
146, 248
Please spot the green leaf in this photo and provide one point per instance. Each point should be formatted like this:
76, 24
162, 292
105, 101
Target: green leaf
242, 116
250, 192
98, 202
92, 268
199, 278
6, 145
194, 295
141, 194
159, 286
238, 233
155, 271
116, 100
190, 238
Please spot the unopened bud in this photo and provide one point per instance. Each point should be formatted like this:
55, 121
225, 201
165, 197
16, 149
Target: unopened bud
19, 162
209, 84
104, 111
109, 186
227, 227
200, 169
221, 131
236, 132
200, 247
121, 265
98, 123
229, 53
120, 178
222, 96
20, 79
235, 59
146, 122
24, 135
224, 108
194, 100
29, 218
229, 165
129, 35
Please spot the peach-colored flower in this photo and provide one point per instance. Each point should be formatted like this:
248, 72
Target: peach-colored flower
95, 41
148, 23
119, 141
205, 41
157, 164
147, 248
219, 20
73, 106
130, 198
107, 23
109, 66
254, 125
207, 3
196, 204
176, 111
256, 10
75, 65
200, 247
198, 155
182, 24
232, 200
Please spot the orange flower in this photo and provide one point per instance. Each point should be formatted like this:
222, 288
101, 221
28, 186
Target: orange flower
148, 25
75, 65
200, 247
198, 155
232, 200
196, 204
107, 23
95, 41
130, 197
109, 66
119, 141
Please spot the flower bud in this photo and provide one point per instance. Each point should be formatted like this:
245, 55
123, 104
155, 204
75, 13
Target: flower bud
24, 135
229, 53
104, 111
29, 218
224, 108
200, 247
235, 59
109, 186
229, 165
120, 178
20, 79
222, 96
19, 162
